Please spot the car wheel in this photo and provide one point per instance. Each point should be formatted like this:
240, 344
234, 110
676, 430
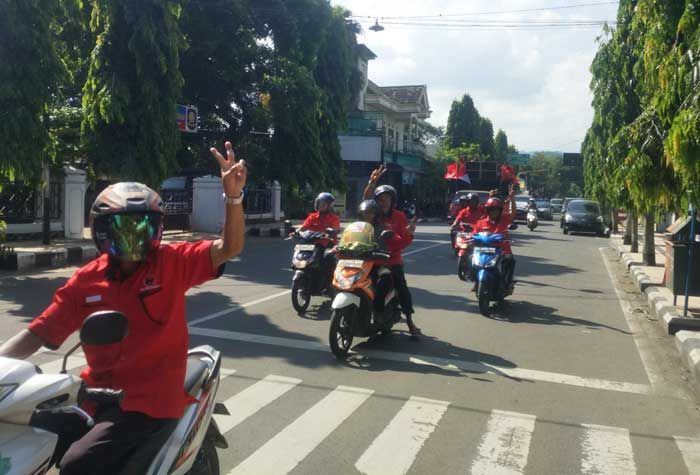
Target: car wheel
565, 230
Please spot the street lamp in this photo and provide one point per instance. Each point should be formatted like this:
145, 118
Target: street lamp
376, 27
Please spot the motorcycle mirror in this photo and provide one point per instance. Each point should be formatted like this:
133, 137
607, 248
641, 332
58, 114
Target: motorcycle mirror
387, 234
513, 227
104, 328
330, 231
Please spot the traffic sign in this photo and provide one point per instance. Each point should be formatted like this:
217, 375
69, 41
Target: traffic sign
519, 158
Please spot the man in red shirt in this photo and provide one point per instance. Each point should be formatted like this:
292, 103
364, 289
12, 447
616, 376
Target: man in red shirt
146, 281
324, 217
392, 219
497, 220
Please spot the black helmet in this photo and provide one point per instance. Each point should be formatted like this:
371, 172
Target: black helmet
367, 205
126, 221
463, 201
473, 198
323, 197
387, 189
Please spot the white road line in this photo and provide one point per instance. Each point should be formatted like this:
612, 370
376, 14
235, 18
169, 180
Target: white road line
505, 446
424, 248
606, 450
290, 446
249, 401
446, 364
690, 450
396, 448
236, 308
643, 343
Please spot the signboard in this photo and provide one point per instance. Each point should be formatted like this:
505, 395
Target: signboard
186, 118
519, 158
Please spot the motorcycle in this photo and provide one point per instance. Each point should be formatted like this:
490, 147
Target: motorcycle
28, 397
353, 308
463, 250
532, 219
410, 209
312, 271
486, 264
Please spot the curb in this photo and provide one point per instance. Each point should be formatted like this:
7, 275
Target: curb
660, 301
55, 258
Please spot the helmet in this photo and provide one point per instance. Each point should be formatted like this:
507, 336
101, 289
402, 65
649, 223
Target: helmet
463, 201
387, 189
323, 197
531, 200
126, 221
494, 202
473, 197
368, 205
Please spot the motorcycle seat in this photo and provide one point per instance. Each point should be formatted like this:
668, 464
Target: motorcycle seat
196, 372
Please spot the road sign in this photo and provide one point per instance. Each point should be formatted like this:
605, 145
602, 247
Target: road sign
186, 118
519, 158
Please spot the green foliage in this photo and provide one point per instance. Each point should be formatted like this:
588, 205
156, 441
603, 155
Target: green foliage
545, 175
486, 141
501, 146
466, 126
574, 191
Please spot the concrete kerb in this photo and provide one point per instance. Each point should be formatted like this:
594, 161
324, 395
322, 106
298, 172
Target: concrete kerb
69, 255
660, 301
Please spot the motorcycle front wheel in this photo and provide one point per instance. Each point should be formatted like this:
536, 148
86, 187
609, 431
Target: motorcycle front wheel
340, 336
462, 267
207, 461
300, 298
484, 302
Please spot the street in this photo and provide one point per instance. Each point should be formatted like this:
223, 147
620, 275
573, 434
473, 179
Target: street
570, 376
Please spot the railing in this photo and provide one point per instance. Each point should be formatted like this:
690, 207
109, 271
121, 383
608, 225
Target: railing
177, 201
17, 203
365, 123
413, 148
258, 201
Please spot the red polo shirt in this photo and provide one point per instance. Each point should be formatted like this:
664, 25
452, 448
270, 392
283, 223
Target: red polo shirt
471, 216
500, 227
318, 222
150, 364
397, 222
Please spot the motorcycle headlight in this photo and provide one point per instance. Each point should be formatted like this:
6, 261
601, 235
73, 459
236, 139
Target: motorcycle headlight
6, 389
492, 262
299, 263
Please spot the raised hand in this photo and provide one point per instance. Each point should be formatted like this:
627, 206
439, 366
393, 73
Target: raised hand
233, 173
412, 225
377, 174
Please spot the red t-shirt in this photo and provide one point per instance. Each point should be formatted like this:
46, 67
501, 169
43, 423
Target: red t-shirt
398, 223
319, 222
501, 227
471, 216
150, 364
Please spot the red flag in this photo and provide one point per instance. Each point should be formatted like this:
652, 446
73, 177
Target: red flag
451, 172
457, 172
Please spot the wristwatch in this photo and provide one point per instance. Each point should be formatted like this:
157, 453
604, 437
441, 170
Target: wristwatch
230, 200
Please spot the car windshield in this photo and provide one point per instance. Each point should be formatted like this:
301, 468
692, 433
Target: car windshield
588, 207
543, 204
556, 201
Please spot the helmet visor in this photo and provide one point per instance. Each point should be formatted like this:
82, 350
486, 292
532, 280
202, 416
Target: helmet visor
128, 236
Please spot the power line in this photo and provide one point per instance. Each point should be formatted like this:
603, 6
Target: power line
499, 12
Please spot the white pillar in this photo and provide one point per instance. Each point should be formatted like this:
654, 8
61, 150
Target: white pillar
74, 203
276, 201
207, 205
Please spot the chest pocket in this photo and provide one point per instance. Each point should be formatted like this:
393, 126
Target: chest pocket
154, 304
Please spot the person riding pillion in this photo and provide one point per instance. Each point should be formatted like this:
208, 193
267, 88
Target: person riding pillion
392, 219
146, 280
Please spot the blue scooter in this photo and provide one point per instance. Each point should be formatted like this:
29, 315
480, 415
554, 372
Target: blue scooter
487, 260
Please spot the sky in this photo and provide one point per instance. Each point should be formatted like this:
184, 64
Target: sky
533, 84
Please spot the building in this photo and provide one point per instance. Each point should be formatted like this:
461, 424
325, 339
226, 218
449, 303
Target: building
382, 129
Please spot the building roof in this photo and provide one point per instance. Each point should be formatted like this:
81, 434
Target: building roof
404, 94
365, 53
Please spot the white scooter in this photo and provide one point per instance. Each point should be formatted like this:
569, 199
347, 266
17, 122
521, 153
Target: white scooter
532, 219
25, 392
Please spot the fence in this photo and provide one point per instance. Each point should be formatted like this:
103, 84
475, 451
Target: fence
258, 201
19, 202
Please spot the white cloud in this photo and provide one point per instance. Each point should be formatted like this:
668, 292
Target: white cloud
533, 84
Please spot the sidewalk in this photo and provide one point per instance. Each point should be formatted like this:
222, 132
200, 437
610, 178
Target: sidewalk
660, 299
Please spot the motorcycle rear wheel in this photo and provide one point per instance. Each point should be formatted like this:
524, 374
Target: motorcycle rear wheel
207, 461
484, 303
300, 298
339, 335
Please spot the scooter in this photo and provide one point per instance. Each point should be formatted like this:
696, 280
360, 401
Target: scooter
27, 397
486, 264
532, 219
353, 309
463, 248
312, 266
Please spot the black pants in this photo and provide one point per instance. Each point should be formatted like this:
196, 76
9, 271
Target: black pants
117, 438
401, 287
508, 266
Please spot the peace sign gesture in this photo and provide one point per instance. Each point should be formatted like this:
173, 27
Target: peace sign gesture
233, 173
377, 174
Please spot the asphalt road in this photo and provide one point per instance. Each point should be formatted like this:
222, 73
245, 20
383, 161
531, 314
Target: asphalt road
570, 376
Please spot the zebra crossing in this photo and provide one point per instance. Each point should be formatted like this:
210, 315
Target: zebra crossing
503, 448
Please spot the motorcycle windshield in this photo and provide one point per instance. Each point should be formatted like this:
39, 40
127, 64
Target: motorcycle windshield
487, 239
358, 237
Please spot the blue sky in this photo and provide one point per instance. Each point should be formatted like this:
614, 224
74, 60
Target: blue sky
532, 83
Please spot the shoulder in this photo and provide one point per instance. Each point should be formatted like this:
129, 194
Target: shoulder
92, 270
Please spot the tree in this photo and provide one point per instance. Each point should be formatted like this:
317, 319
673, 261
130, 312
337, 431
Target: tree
463, 123
132, 88
501, 146
486, 141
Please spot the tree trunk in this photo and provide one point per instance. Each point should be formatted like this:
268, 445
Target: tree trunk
613, 220
649, 252
627, 240
635, 232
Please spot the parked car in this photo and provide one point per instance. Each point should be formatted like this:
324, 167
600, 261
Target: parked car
556, 204
544, 210
563, 210
584, 216
454, 204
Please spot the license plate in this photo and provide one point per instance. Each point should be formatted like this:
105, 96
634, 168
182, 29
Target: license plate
304, 247
485, 250
351, 263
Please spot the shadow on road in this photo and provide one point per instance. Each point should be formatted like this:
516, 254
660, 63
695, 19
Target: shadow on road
30, 294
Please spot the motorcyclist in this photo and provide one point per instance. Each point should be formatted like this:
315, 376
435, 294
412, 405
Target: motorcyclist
532, 204
471, 212
394, 220
497, 220
319, 221
146, 280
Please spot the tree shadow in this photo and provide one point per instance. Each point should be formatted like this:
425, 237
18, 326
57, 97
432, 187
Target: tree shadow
540, 284
513, 311
30, 294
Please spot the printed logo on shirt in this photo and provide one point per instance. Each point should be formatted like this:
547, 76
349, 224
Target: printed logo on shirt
93, 299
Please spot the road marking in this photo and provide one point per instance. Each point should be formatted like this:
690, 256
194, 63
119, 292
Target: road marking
395, 449
643, 343
690, 450
606, 450
282, 453
237, 307
446, 364
505, 446
249, 401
